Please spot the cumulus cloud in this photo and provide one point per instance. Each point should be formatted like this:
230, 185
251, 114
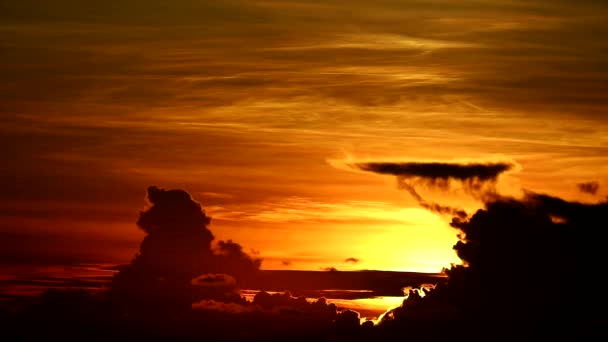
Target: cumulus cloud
177, 262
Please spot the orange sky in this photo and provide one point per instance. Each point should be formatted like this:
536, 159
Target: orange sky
255, 106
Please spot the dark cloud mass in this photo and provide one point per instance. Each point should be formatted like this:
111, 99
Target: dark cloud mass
177, 249
520, 264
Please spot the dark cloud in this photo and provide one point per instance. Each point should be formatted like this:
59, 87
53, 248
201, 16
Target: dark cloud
520, 264
181, 283
282, 301
177, 249
348, 321
213, 305
589, 187
521, 267
269, 317
217, 292
351, 259
220, 280
438, 172
432, 206
477, 179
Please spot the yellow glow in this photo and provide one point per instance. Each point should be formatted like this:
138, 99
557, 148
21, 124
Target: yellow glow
381, 236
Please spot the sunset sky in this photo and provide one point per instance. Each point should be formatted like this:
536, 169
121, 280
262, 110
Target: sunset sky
259, 109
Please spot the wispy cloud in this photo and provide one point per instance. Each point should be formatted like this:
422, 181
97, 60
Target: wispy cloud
306, 210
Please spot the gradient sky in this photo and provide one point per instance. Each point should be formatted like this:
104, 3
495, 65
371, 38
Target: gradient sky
256, 107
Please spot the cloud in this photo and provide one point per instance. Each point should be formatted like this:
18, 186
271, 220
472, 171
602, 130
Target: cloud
348, 321
187, 283
223, 280
352, 260
589, 187
173, 209
213, 305
520, 263
437, 172
477, 179
286, 302
267, 317
177, 263
234, 260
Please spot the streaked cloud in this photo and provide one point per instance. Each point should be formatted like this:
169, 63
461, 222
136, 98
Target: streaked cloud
306, 210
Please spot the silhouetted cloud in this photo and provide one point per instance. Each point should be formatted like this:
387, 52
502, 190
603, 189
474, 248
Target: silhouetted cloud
351, 259
184, 283
432, 206
476, 178
221, 288
438, 172
520, 264
286, 263
589, 187
177, 249
283, 301
348, 321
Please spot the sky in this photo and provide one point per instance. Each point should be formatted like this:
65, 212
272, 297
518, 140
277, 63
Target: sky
259, 109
